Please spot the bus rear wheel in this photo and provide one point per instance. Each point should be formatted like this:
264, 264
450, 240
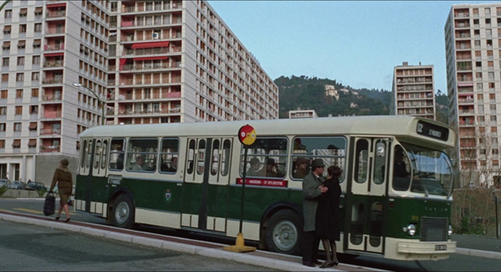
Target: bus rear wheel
123, 212
282, 233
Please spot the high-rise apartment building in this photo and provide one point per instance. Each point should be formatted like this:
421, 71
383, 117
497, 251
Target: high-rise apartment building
71, 65
473, 44
413, 91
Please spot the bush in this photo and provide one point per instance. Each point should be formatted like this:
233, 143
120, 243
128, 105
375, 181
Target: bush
41, 192
3, 189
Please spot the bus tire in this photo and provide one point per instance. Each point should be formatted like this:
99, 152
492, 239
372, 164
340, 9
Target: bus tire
283, 232
123, 212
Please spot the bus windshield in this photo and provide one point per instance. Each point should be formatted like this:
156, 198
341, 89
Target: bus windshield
432, 172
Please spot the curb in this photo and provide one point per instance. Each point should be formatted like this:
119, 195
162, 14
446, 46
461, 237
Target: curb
478, 253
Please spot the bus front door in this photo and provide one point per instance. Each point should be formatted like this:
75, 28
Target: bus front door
206, 173
365, 196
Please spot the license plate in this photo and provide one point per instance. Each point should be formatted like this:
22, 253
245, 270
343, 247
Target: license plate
440, 247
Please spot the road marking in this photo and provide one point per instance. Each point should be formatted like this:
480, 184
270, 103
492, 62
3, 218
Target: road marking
34, 211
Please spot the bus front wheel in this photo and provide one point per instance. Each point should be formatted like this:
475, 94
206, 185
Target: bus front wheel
123, 211
282, 233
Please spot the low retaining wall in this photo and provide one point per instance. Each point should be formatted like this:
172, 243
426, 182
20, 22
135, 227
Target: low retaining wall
16, 193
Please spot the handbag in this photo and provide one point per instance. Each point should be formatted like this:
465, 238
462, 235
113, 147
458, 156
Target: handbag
70, 202
49, 207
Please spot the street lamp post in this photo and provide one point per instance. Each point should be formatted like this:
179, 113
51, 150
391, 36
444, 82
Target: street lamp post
98, 99
4, 4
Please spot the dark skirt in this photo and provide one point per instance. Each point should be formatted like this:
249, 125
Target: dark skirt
64, 194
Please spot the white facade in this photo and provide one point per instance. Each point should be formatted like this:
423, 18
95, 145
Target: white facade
144, 62
413, 91
473, 43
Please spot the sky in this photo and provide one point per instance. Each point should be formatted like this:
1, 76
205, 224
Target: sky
357, 43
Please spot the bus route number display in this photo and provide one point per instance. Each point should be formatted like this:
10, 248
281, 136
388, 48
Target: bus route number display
247, 135
432, 131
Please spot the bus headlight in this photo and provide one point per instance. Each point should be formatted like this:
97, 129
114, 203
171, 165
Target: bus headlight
410, 229
450, 230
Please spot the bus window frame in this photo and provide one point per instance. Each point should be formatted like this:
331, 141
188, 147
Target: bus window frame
298, 145
264, 156
168, 155
131, 154
119, 153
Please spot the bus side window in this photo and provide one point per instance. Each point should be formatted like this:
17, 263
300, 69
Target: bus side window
201, 157
215, 158
225, 158
169, 156
191, 157
117, 153
361, 163
104, 155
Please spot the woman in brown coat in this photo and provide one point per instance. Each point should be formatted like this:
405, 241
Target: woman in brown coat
64, 180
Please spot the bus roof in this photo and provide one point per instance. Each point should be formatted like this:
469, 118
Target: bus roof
398, 125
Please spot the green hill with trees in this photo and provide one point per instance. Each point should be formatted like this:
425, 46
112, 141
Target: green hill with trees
309, 93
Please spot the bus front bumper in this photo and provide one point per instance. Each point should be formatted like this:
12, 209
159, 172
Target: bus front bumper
417, 250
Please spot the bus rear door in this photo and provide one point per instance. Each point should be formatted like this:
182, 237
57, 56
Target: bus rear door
366, 192
205, 188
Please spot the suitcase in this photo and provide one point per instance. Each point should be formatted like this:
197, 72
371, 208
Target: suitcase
49, 207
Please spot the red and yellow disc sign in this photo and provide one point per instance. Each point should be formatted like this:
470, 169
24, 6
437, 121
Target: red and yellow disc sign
247, 135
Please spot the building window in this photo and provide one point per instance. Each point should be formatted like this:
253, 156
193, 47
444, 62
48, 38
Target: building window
16, 143
38, 11
38, 27
20, 61
35, 76
8, 13
36, 60
32, 143
33, 109
22, 28
23, 12
5, 77
19, 110
17, 126
21, 44
19, 93
33, 126
2, 143
34, 92
6, 46
5, 62
20, 77
36, 43
2, 127
7, 29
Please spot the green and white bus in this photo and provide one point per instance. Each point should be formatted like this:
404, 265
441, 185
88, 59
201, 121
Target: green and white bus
189, 176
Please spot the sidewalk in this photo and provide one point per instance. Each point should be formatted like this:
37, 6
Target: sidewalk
478, 246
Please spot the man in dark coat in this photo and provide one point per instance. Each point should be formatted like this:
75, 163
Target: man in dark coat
312, 189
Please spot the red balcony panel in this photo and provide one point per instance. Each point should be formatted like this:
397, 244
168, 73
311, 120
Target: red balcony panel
150, 45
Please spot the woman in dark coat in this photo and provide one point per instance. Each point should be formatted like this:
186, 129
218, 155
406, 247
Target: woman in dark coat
64, 181
327, 218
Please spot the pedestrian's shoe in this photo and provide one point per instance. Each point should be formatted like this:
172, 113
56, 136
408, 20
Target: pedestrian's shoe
309, 264
317, 262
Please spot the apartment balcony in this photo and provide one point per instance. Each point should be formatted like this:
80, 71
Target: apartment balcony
150, 67
55, 14
51, 114
54, 31
54, 47
465, 101
49, 148
50, 131
52, 81
52, 64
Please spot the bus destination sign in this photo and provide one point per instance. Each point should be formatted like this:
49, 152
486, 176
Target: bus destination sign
432, 131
